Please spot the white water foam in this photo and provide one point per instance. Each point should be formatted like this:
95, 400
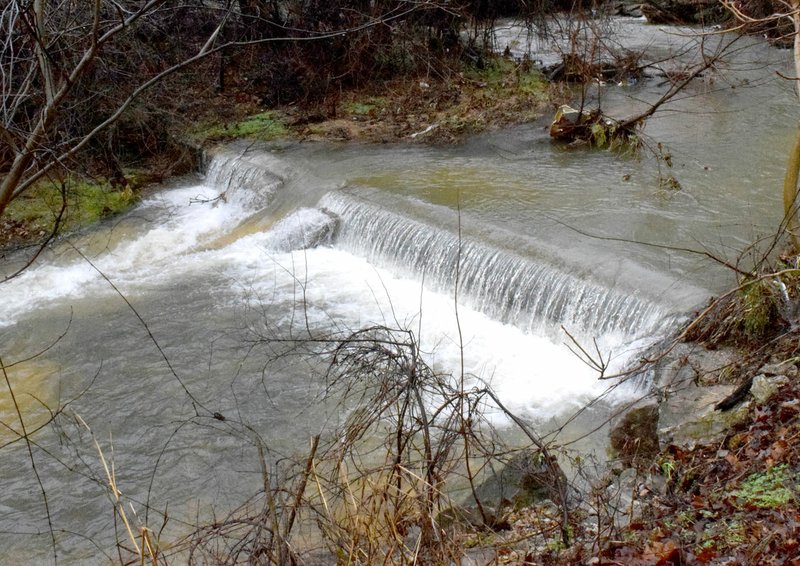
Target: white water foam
532, 294
305, 228
531, 374
178, 221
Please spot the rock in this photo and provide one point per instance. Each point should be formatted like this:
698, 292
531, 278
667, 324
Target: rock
690, 363
764, 387
674, 371
687, 416
622, 497
525, 479
785, 368
635, 438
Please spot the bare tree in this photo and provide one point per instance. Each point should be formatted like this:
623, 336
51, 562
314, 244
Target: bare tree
52, 54
48, 49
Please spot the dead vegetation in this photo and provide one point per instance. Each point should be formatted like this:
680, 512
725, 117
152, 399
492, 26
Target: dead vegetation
404, 479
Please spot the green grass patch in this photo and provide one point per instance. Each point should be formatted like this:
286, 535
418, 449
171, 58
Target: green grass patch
759, 307
86, 203
768, 490
367, 107
502, 75
265, 126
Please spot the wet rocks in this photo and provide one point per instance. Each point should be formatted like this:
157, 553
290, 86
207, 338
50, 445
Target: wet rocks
526, 478
695, 401
689, 416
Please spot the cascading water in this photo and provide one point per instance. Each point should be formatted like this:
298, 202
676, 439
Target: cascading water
303, 229
534, 296
269, 243
240, 180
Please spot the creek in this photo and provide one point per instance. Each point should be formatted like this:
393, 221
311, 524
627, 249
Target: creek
294, 240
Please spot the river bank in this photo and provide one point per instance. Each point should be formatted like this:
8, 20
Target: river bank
445, 107
704, 471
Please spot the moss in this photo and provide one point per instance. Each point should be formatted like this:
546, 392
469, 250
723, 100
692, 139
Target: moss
86, 202
265, 126
759, 308
768, 490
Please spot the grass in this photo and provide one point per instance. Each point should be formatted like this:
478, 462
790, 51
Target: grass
87, 202
368, 106
265, 126
497, 93
760, 307
504, 76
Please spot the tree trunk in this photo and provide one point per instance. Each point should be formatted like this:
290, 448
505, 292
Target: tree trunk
41, 52
790, 194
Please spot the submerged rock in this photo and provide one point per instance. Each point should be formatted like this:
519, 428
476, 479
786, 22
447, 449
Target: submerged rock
635, 438
525, 479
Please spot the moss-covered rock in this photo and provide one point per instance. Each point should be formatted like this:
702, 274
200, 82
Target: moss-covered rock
688, 416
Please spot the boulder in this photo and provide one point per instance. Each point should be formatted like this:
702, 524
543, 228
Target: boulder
687, 416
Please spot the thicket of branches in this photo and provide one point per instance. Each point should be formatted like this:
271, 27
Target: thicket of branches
109, 80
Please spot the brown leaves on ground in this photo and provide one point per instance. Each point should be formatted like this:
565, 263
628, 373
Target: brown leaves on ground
14, 233
736, 503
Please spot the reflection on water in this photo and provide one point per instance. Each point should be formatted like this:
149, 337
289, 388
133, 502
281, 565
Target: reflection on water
28, 391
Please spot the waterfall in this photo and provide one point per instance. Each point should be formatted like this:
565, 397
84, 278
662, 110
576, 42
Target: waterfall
303, 229
530, 294
240, 180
